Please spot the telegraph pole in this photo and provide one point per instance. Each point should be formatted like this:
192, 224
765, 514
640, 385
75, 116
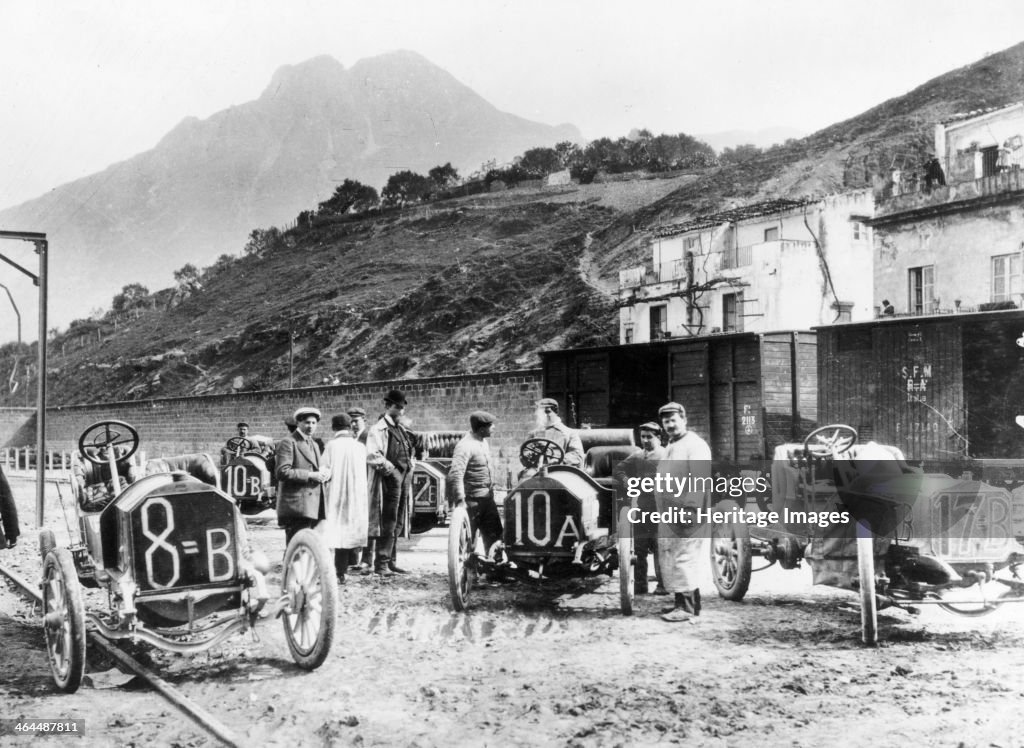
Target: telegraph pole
40, 280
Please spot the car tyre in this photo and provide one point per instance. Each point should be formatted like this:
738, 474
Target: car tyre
731, 559
627, 584
311, 592
63, 619
461, 569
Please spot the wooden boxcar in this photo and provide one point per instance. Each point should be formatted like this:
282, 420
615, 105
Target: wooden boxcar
941, 388
743, 392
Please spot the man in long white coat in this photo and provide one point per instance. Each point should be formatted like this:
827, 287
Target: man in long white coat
343, 466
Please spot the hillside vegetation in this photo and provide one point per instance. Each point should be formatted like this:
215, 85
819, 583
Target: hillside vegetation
466, 285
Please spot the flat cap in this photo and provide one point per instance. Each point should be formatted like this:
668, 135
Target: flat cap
290, 422
396, 397
548, 402
670, 408
306, 411
356, 413
480, 418
341, 422
650, 426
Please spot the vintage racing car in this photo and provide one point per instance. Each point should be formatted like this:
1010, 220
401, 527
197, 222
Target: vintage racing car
559, 521
172, 555
430, 507
920, 538
248, 472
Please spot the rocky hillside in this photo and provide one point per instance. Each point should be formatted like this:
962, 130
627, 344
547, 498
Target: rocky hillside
200, 191
474, 284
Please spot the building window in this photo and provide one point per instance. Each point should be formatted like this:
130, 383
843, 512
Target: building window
1006, 277
732, 311
989, 161
860, 231
772, 234
922, 289
627, 334
690, 243
659, 321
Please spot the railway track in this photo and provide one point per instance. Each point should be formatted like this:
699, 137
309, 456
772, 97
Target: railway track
200, 716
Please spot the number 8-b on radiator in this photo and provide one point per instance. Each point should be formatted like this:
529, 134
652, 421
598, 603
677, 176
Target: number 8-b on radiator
181, 541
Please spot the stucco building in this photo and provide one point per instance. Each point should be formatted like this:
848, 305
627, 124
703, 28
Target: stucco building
954, 242
777, 265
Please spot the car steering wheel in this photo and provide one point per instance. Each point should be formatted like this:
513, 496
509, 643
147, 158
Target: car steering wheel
104, 434
537, 451
827, 445
236, 443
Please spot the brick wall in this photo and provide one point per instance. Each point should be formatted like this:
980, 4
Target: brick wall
17, 427
202, 424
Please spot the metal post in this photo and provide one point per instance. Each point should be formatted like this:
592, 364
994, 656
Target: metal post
42, 247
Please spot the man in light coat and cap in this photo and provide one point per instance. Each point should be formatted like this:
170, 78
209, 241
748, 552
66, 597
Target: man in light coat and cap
390, 455
680, 545
344, 468
550, 426
300, 490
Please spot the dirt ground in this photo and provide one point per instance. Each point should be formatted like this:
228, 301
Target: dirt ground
559, 666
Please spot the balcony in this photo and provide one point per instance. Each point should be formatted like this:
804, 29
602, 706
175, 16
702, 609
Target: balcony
740, 257
916, 199
636, 277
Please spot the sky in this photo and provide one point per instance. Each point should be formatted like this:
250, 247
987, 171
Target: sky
87, 84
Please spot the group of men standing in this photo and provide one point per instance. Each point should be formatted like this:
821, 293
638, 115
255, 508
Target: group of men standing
354, 488
675, 546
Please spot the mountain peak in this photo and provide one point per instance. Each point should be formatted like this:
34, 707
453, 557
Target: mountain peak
315, 73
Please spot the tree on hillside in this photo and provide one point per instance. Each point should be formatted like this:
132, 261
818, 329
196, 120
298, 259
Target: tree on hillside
349, 197
187, 276
568, 154
262, 241
443, 176
406, 187
132, 296
740, 153
539, 162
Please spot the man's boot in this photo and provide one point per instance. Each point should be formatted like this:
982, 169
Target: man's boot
687, 607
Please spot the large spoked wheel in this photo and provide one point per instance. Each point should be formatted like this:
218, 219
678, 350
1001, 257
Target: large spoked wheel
835, 438
311, 600
731, 560
63, 620
866, 574
627, 583
103, 434
461, 569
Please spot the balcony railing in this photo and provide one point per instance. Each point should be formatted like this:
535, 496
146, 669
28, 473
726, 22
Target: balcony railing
674, 270
915, 194
740, 257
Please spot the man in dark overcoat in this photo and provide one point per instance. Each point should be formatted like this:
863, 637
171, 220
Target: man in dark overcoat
300, 490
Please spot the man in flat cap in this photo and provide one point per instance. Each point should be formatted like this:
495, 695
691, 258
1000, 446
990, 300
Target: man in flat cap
300, 490
643, 463
390, 457
227, 455
358, 427
550, 426
471, 480
679, 544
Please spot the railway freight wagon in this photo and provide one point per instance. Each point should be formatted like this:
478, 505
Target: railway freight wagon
744, 392
943, 389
